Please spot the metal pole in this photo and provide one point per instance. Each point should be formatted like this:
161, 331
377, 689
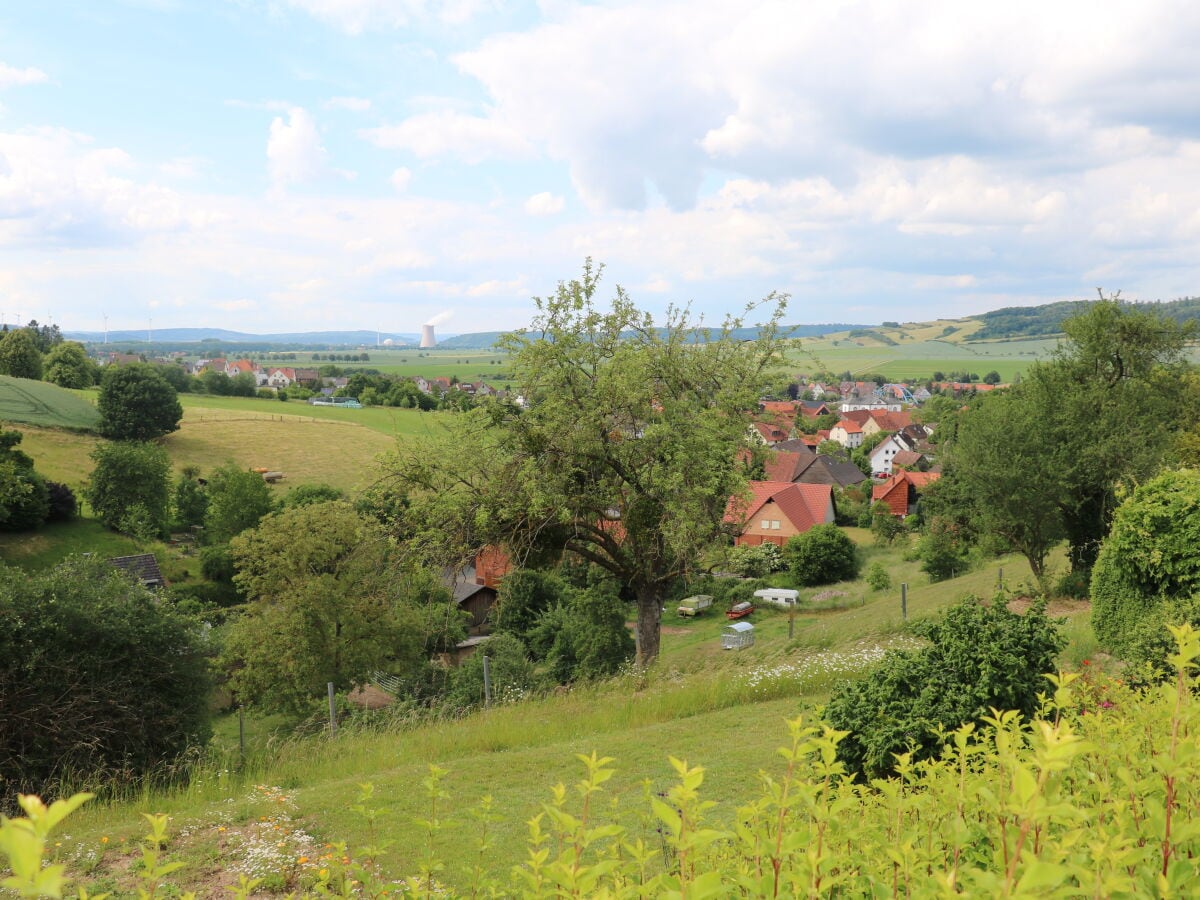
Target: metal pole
904, 601
487, 681
332, 710
791, 624
242, 732
1000, 578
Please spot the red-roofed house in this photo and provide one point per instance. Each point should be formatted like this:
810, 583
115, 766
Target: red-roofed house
281, 378
769, 433
779, 407
778, 510
240, 366
848, 433
900, 491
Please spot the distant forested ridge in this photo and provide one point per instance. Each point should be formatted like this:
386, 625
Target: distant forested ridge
1046, 321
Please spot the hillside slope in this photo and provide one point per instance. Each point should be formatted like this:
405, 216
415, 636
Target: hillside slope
40, 403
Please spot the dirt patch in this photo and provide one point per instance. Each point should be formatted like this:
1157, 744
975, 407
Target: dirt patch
1065, 606
673, 629
828, 595
370, 697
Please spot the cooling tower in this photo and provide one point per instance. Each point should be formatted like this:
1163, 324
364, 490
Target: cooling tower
428, 339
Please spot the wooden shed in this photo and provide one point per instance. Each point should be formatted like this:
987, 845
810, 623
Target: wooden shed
737, 635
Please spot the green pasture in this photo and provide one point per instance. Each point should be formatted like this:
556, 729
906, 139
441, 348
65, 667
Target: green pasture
918, 360
41, 403
387, 420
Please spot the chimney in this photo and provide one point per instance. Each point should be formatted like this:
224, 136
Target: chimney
428, 339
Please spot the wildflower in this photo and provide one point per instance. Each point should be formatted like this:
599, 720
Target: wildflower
302, 860
104, 840
220, 828
1087, 662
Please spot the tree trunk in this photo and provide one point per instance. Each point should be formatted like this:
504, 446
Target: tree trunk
649, 613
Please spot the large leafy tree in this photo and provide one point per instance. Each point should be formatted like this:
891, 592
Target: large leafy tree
130, 488
19, 355
237, 500
137, 404
1052, 459
69, 366
1004, 476
323, 606
1121, 366
624, 450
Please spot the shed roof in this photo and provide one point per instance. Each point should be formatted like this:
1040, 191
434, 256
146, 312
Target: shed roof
739, 627
143, 567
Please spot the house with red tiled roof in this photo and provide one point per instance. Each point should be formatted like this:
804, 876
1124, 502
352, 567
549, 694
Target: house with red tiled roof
240, 366
769, 433
801, 465
848, 433
281, 377
777, 510
900, 492
779, 407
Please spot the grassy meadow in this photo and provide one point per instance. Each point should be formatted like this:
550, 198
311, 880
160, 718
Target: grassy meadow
723, 710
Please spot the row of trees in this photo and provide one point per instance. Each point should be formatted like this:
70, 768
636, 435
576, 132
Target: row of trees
1050, 458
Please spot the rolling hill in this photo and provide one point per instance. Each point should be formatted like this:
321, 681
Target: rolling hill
40, 403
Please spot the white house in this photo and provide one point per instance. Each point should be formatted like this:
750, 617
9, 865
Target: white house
847, 433
882, 455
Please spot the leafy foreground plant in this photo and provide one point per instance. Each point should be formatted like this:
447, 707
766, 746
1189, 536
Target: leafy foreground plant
1097, 796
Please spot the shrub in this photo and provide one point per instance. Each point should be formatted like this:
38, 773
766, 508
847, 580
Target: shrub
1149, 555
981, 657
878, 578
755, 562
821, 555
1150, 644
1073, 584
512, 673
98, 680
63, 505
943, 551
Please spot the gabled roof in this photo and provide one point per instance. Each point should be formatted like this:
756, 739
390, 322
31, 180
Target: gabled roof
785, 407
770, 433
907, 458
849, 426
142, 567
789, 465
896, 491
804, 505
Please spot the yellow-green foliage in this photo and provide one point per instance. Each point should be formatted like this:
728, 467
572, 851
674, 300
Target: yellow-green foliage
1097, 796
38, 403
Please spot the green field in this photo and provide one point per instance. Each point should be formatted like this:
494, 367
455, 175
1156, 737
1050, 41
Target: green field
391, 421
40, 403
918, 360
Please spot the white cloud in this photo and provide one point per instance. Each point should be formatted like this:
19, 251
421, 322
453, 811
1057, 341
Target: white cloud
400, 179
294, 151
13, 77
353, 104
544, 204
472, 139
356, 16
184, 167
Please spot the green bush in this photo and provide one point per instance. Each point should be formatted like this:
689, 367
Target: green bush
511, 671
821, 555
980, 657
129, 487
755, 562
943, 551
878, 578
1150, 644
1149, 555
99, 681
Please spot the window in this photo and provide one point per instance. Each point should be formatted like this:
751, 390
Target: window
765, 524
774, 524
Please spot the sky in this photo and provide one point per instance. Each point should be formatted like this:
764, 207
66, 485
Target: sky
293, 165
